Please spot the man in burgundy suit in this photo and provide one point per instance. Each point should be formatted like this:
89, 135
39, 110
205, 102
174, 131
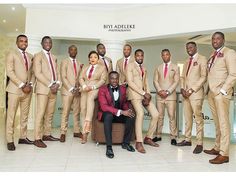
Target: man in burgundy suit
114, 107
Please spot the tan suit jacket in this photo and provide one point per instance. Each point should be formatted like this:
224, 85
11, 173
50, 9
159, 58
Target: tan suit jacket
16, 71
43, 72
98, 78
68, 77
196, 76
120, 69
110, 67
137, 84
222, 74
169, 83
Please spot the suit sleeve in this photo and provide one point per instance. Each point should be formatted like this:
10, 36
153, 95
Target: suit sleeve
176, 81
58, 73
231, 65
105, 107
182, 77
64, 79
156, 80
81, 77
37, 67
131, 82
10, 69
103, 78
199, 84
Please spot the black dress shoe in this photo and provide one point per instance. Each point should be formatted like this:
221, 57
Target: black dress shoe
173, 142
128, 147
109, 153
156, 139
11, 146
25, 141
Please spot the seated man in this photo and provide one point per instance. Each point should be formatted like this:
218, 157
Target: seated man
113, 107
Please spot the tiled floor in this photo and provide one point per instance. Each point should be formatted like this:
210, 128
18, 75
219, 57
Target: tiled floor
74, 156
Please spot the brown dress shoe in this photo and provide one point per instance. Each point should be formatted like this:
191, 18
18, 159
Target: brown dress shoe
184, 143
63, 138
198, 149
39, 143
139, 147
150, 142
212, 152
84, 138
50, 138
78, 135
220, 159
11, 146
25, 141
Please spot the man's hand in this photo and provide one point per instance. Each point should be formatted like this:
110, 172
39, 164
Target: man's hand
27, 88
183, 92
145, 102
54, 88
147, 96
128, 113
189, 92
88, 88
162, 94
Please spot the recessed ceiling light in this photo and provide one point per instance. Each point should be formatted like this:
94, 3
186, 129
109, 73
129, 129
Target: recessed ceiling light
13, 8
4, 21
16, 29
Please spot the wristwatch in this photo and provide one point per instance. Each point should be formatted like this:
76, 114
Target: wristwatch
167, 92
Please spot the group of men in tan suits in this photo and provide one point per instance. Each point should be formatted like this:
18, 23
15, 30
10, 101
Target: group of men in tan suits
80, 84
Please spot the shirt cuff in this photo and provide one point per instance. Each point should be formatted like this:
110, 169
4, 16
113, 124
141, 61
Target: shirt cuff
94, 87
143, 93
118, 113
31, 83
84, 86
21, 84
50, 84
223, 92
72, 88
58, 82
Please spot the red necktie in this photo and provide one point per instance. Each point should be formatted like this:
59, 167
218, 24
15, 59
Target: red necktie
53, 71
90, 72
213, 59
26, 61
142, 71
105, 63
165, 70
75, 69
189, 64
126, 62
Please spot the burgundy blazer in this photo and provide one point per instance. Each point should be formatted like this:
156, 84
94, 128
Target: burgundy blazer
106, 100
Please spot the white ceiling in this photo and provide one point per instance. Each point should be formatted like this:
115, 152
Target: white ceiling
15, 19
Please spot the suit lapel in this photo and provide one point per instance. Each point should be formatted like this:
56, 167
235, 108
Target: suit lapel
20, 58
111, 94
139, 71
45, 60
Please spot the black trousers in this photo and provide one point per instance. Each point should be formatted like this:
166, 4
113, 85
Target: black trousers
108, 118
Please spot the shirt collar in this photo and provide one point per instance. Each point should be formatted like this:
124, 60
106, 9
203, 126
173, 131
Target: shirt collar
168, 63
219, 49
72, 59
127, 58
138, 64
46, 52
21, 51
194, 56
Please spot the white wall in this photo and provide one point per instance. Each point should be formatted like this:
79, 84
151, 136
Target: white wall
150, 21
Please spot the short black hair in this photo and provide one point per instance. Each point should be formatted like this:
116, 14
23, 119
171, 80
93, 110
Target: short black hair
128, 46
113, 72
93, 52
220, 33
165, 50
19, 36
72, 46
138, 50
46, 37
191, 42
100, 44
